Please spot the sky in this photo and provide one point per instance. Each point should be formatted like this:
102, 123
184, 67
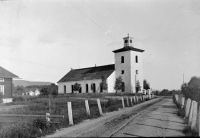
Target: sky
41, 40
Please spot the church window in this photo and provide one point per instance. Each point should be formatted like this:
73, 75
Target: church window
72, 87
122, 71
64, 89
130, 41
122, 59
136, 59
126, 41
86, 88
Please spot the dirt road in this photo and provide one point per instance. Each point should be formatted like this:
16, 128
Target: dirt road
156, 117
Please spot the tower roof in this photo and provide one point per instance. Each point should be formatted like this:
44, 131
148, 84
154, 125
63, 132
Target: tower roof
128, 48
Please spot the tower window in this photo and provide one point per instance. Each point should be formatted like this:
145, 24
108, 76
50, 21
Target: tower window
122, 59
122, 71
126, 41
136, 59
130, 41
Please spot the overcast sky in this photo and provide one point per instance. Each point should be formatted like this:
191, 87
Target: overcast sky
40, 40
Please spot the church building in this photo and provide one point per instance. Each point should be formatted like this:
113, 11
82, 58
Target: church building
128, 65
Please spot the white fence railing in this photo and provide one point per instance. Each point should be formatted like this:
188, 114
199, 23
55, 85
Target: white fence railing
191, 110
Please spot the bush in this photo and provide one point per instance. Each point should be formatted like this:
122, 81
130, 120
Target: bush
76, 87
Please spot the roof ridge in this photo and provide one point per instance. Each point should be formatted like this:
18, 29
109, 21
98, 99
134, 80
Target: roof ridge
93, 67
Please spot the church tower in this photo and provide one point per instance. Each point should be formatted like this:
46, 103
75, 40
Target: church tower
129, 65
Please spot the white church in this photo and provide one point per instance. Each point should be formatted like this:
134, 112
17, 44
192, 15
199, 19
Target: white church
128, 65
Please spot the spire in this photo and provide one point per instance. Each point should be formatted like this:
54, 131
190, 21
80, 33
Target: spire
128, 34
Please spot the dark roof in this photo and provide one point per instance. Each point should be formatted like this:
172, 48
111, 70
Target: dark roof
6, 74
128, 48
90, 73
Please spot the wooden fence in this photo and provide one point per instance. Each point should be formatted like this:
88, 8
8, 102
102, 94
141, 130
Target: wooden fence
130, 101
191, 112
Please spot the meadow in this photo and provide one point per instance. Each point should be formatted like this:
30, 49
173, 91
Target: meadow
25, 127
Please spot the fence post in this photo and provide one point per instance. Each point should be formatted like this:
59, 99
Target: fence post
182, 102
87, 107
188, 104
176, 98
190, 115
142, 98
131, 101
180, 99
127, 100
48, 118
99, 105
69, 105
199, 121
194, 116
123, 102
134, 99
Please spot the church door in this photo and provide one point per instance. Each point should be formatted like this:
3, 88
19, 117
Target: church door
123, 86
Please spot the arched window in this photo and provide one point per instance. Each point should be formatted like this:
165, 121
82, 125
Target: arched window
136, 59
72, 87
93, 87
122, 59
64, 88
122, 72
86, 88
101, 87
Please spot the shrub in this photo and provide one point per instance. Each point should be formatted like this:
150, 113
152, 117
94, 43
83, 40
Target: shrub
118, 84
76, 86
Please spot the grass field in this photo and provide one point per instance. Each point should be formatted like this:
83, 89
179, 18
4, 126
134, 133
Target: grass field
25, 127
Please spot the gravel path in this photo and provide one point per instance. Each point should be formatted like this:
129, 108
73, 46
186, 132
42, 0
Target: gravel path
160, 121
106, 125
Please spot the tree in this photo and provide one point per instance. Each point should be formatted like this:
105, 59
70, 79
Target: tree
192, 88
44, 91
92, 87
146, 85
104, 84
77, 86
53, 89
118, 84
19, 90
138, 87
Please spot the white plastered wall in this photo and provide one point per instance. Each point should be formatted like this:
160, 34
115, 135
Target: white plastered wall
83, 86
126, 66
111, 82
136, 66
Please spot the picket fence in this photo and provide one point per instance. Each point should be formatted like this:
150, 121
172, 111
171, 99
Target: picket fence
191, 110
